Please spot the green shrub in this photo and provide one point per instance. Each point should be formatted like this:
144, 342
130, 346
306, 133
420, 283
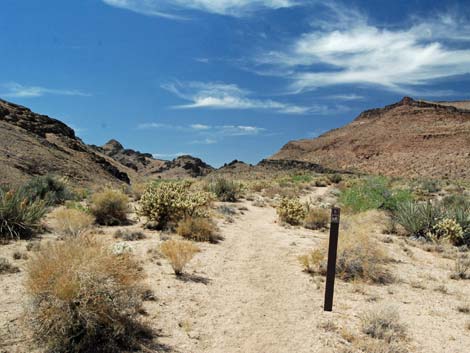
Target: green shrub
110, 207
430, 186
83, 298
225, 190
198, 229
48, 188
373, 193
19, 216
449, 230
165, 204
291, 211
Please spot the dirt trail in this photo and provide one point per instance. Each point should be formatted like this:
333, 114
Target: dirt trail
258, 299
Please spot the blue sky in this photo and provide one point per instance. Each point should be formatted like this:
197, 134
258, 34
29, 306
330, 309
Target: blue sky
226, 79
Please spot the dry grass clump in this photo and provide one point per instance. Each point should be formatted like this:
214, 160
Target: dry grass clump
461, 268
7, 267
110, 207
178, 253
383, 324
198, 229
360, 256
72, 222
291, 211
313, 262
129, 235
83, 298
317, 218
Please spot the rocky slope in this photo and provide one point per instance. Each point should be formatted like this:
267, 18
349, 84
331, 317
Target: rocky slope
409, 138
33, 144
147, 166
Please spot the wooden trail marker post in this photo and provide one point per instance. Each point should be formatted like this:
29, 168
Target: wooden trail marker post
332, 251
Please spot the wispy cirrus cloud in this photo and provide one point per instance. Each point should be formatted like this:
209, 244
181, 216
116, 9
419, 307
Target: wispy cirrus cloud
16, 90
344, 48
174, 9
169, 155
207, 130
216, 95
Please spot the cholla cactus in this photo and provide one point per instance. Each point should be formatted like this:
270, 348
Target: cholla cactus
121, 248
447, 229
170, 202
291, 211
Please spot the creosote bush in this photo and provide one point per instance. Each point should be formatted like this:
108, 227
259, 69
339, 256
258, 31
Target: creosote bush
165, 204
49, 188
198, 229
110, 207
83, 298
226, 190
178, 253
291, 211
317, 218
72, 222
19, 216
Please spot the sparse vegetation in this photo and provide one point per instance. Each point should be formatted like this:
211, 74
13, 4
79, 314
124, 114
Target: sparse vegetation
313, 262
165, 204
225, 190
179, 253
461, 268
110, 207
198, 229
317, 218
72, 222
383, 324
83, 297
129, 235
19, 216
7, 267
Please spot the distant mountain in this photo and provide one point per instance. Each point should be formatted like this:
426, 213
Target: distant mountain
32, 144
410, 138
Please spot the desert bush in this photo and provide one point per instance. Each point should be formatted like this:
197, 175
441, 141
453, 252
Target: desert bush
72, 222
178, 253
225, 190
373, 193
51, 189
110, 207
317, 218
19, 216
335, 178
313, 262
383, 324
83, 298
129, 235
291, 211
7, 267
198, 229
164, 204
322, 182
461, 268
430, 186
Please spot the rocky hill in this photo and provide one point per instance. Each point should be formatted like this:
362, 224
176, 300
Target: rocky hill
146, 166
410, 138
33, 144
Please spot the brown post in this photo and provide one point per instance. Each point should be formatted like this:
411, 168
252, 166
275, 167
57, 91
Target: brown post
332, 251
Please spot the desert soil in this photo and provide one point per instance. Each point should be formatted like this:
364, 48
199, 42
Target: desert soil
248, 294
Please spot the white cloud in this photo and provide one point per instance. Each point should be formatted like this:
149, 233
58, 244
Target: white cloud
206, 141
350, 50
211, 131
345, 97
172, 8
200, 127
228, 96
169, 155
20, 91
